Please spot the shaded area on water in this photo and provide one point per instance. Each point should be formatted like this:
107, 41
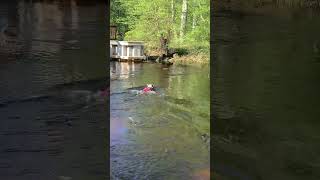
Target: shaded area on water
158, 136
265, 97
52, 65
270, 7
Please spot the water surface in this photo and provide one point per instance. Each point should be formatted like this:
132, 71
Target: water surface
164, 135
266, 96
48, 127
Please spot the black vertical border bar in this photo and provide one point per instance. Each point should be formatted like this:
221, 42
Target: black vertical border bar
212, 59
107, 44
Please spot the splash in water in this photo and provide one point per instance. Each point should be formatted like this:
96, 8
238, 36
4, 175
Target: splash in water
148, 89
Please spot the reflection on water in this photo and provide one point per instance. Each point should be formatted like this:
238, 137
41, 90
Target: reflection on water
159, 136
123, 70
266, 92
52, 127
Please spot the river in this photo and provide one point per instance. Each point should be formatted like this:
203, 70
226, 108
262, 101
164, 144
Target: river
163, 135
266, 96
52, 61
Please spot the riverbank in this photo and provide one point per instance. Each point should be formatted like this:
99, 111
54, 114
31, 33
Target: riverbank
182, 56
191, 59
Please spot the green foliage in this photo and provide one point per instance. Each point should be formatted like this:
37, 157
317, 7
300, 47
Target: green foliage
181, 51
119, 16
146, 20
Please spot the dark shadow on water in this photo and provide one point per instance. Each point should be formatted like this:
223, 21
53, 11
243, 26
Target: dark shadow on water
52, 68
265, 112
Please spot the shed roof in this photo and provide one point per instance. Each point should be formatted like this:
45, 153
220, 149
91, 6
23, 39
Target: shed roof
115, 42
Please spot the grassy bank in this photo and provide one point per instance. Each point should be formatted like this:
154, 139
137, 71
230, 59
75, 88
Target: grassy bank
185, 56
191, 51
191, 59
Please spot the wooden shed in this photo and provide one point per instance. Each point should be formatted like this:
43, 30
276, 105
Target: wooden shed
127, 50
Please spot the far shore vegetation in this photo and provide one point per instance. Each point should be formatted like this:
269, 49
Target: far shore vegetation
184, 23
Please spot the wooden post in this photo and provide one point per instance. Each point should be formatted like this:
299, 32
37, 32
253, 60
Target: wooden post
164, 45
113, 32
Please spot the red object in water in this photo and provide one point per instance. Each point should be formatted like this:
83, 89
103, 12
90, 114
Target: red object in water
147, 89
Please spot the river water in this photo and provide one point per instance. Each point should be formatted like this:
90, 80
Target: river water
50, 126
266, 96
163, 135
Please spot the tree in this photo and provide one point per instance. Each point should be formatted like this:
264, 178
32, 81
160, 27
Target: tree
146, 20
184, 14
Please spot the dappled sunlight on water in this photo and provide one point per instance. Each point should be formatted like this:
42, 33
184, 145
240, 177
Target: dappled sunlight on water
118, 127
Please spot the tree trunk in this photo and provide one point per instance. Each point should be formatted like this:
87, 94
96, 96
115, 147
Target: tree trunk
173, 11
184, 18
194, 21
172, 30
194, 16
